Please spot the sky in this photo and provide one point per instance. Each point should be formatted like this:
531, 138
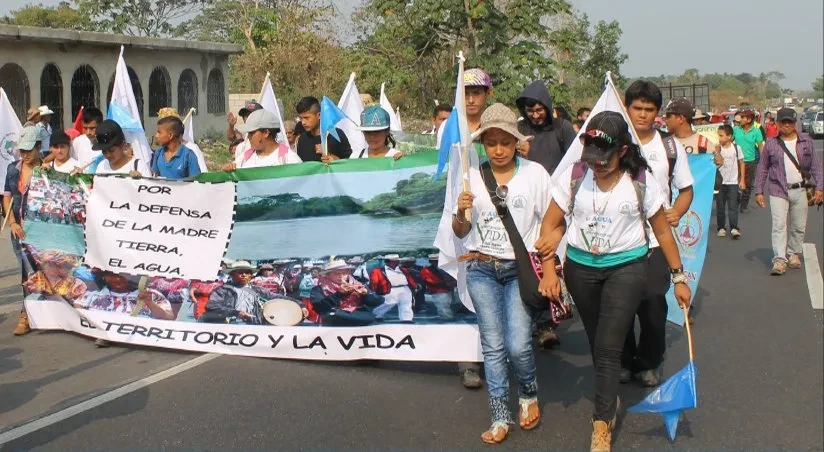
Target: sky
789, 40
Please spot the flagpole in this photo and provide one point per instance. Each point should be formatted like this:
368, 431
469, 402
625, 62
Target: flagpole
189, 115
464, 147
6, 220
689, 331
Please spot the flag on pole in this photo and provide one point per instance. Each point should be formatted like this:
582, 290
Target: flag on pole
352, 105
456, 148
270, 103
394, 122
10, 129
330, 116
78, 120
123, 107
189, 140
398, 115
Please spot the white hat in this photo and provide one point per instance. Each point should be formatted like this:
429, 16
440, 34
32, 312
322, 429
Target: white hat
45, 110
259, 119
337, 264
240, 265
391, 257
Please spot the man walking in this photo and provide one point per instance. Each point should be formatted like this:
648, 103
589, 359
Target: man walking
789, 162
751, 141
550, 136
308, 143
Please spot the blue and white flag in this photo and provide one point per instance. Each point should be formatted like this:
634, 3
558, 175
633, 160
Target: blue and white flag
124, 106
330, 116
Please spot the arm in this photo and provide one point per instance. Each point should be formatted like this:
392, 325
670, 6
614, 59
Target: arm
158, 305
553, 228
761, 173
194, 165
680, 206
742, 175
663, 232
460, 225
230, 131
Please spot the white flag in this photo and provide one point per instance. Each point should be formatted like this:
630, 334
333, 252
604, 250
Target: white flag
189, 140
270, 103
123, 95
10, 129
462, 159
351, 104
394, 121
398, 115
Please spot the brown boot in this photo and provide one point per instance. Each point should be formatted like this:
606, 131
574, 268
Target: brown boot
22, 325
601, 437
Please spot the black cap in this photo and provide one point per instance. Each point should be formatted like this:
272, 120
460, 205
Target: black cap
249, 108
606, 133
786, 114
109, 134
58, 138
681, 106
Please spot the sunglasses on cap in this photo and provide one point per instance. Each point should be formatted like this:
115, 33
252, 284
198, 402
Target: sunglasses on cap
602, 142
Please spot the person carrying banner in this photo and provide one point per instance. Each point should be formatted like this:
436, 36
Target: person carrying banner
308, 142
550, 136
504, 321
238, 143
751, 140
667, 160
82, 145
116, 152
375, 128
262, 129
732, 179
791, 166
166, 112
173, 159
396, 285
61, 161
15, 199
440, 288
606, 270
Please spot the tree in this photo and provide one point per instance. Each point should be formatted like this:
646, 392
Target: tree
60, 16
153, 18
246, 22
818, 86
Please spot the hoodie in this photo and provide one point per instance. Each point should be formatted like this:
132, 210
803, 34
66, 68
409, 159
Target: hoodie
551, 139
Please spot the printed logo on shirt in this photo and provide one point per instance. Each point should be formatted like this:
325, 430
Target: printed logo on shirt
519, 202
596, 234
629, 208
652, 157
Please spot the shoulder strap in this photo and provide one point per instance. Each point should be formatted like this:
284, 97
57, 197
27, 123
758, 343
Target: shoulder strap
135, 164
640, 184
515, 239
360, 156
792, 157
579, 170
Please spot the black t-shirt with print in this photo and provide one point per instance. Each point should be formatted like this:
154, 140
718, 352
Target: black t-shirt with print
307, 142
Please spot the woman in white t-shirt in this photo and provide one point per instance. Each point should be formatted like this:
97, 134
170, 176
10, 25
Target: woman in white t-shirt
732, 172
504, 321
608, 196
375, 128
262, 129
59, 147
117, 153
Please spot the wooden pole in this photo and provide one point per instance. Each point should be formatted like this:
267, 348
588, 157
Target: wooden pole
689, 331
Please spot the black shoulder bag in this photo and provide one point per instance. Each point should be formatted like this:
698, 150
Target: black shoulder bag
529, 265
806, 182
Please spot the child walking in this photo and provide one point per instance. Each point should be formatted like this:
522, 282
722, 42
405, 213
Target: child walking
732, 179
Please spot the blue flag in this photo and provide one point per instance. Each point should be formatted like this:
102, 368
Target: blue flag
670, 399
451, 135
330, 116
123, 118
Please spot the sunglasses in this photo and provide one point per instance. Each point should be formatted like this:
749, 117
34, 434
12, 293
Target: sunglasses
588, 140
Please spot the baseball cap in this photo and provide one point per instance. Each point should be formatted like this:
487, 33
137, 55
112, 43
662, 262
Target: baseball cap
786, 114
374, 118
477, 77
681, 106
58, 138
29, 137
109, 134
259, 119
250, 107
606, 132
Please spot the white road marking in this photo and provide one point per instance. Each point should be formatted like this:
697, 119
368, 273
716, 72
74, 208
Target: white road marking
813, 271
95, 402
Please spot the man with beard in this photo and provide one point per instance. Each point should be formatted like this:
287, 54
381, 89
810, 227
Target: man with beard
550, 136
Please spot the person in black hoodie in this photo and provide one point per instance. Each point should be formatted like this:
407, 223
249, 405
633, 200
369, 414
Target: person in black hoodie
551, 137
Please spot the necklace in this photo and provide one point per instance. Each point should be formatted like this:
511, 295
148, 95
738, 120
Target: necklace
600, 212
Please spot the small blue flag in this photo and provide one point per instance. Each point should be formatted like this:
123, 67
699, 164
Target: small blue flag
675, 395
123, 118
451, 135
330, 116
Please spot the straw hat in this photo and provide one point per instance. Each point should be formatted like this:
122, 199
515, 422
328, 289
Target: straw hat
499, 116
240, 265
336, 265
166, 112
32, 114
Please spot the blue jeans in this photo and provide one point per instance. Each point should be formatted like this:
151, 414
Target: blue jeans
505, 326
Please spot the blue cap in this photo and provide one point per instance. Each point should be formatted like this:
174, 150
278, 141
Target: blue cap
374, 118
29, 137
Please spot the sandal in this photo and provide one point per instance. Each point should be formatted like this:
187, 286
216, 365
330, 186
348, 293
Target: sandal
496, 434
527, 406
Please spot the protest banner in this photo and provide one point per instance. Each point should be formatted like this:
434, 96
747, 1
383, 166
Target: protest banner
349, 243
710, 131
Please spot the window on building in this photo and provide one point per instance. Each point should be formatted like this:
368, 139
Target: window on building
51, 94
187, 92
136, 90
85, 89
14, 81
215, 95
160, 90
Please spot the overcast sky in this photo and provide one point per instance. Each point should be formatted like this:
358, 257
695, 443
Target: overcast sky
665, 37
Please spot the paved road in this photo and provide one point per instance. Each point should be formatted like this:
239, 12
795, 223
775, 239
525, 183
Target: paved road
759, 351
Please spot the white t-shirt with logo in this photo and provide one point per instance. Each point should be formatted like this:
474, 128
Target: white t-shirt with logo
105, 168
81, 150
729, 169
619, 226
656, 156
273, 159
67, 167
793, 175
528, 197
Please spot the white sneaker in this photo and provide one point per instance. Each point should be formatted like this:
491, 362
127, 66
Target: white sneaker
722, 232
736, 234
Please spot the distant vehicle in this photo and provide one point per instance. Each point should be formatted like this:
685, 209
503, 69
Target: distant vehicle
818, 125
807, 121
733, 109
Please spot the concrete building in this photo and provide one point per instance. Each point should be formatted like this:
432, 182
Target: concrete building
68, 69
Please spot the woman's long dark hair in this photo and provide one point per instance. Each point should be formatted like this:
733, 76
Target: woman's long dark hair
633, 161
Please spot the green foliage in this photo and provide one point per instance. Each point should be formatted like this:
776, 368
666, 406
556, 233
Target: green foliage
818, 87
153, 18
727, 89
60, 16
419, 194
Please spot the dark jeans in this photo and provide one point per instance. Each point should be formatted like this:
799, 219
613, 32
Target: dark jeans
607, 299
727, 200
652, 317
749, 178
